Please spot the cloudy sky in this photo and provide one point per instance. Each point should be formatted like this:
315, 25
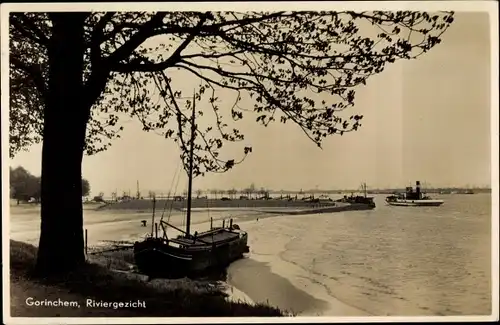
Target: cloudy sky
426, 119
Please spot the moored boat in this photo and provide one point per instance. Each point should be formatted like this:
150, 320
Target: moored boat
189, 253
412, 198
359, 199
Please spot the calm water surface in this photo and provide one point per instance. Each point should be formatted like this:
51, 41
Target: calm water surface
389, 261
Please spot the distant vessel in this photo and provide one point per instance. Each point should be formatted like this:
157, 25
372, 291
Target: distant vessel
189, 254
359, 199
469, 192
412, 198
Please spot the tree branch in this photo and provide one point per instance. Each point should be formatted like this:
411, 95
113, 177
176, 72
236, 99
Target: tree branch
154, 67
32, 70
136, 40
40, 38
95, 41
99, 76
26, 33
209, 30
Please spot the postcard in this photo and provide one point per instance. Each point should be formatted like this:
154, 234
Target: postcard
248, 162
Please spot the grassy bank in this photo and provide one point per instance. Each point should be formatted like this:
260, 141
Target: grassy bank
166, 298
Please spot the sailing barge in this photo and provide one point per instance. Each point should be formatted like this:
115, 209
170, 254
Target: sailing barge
190, 254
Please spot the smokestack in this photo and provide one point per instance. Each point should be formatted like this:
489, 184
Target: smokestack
418, 189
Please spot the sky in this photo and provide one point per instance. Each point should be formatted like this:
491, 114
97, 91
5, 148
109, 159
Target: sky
426, 119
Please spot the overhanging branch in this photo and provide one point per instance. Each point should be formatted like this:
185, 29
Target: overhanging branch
149, 66
136, 40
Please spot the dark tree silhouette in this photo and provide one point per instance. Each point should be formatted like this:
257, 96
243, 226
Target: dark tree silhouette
74, 75
85, 187
24, 185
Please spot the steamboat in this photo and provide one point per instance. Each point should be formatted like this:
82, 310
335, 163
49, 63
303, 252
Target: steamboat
412, 198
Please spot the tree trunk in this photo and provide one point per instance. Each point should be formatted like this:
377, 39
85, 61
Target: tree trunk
61, 247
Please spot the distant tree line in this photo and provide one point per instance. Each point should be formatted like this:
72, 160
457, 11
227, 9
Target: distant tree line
26, 187
249, 192
252, 192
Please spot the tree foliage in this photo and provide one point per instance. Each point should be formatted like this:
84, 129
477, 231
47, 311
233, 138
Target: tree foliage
85, 187
301, 67
24, 185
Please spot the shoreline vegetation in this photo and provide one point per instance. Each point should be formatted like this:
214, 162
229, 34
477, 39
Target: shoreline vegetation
104, 278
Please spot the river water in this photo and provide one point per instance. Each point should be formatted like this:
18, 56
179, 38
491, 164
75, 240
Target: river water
389, 261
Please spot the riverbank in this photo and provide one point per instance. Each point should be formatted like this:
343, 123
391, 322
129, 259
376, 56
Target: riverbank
255, 282
274, 206
246, 280
172, 298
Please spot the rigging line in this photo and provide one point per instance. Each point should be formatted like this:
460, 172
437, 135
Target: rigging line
208, 208
176, 174
168, 195
183, 219
170, 191
172, 202
164, 224
175, 190
170, 212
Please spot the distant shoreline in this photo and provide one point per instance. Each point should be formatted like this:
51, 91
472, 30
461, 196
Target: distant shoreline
275, 195
292, 207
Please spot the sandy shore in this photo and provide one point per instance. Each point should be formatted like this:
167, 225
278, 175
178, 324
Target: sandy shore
268, 279
253, 279
260, 284
236, 295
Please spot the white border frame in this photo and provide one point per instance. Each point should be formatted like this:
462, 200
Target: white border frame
470, 6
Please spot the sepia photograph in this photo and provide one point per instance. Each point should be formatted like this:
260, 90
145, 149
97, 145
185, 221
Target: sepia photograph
255, 162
